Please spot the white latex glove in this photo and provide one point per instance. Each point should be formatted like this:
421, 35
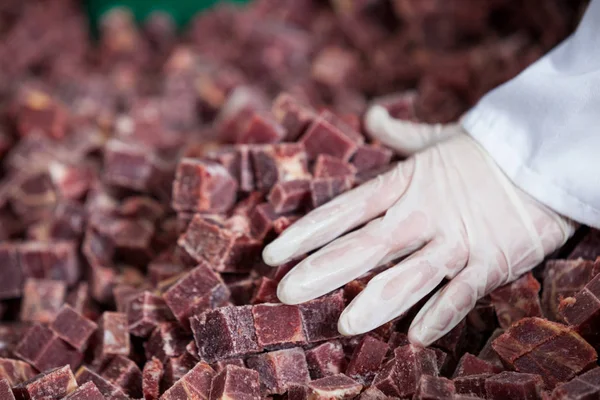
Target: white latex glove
450, 207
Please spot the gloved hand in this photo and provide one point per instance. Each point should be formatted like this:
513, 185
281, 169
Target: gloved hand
449, 207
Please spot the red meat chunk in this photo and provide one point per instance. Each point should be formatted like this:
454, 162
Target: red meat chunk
582, 311
372, 393
399, 377
223, 249
167, 340
488, 353
368, 157
326, 359
551, 350
473, 385
124, 373
235, 382
564, 278
584, 386
195, 384
367, 359
293, 115
262, 220
327, 134
324, 189
108, 389
226, 332
471, 365
146, 311
177, 367
202, 186
278, 163
517, 300
6, 392
266, 291
151, 377
42, 300
280, 369
320, 316
54, 384
41, 348
434, 387
514, 385
588, 248
15, 372
196, 291
87, 391
454, 342
11, 274
278, 325
334, 387
220, 365
112, 335
49, 260
289, 196
73, 328
262, 128
327, 166
38, 113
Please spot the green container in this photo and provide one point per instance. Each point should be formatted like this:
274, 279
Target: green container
181, 10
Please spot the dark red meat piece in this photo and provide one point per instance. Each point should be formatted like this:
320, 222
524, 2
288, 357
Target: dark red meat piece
289, 196
15, 372
320, 316
112, 335
334, 386
236, 383
124, 373
326, 359
582, 311
324, 189
471, 365
52, 384
278, 163
367, 359
517, 300
327, 166
280, 369
73, 327
167, 340
434, 388
42, 300
262, 128
329, 135
41, 348
514, 385
278, 325
146, 311
87, 391
151, 377
108, 389
293, 115
584, 386
6, 392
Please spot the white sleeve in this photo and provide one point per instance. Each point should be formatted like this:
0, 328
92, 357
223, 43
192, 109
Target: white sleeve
543, 127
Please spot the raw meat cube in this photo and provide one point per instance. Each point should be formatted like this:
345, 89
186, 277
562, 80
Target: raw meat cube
220, 365
236, 383
38, 113
298, 392
327, 134
278, 163
517, 300
87, 391
151, 377
434, 388
399, 377
488, 353
42, 300
368, 157
53, 384
112, 336
564, 278
195, 384
73, 327
513, 385
320, 316
225, 333
79, 299
280, 369
146, 311
241, 288
176, 368
473, 385
278, 325
289, 196
397, 339
223, 249
241, 104
124, 373
10, 336
372, 393
334, 387
454, 342
482, 318
324, 189
50, 260
261, 220
327, 166
588, 248
11, 274
107, 388
551, 350
168, 340
203, 186
266, 291
293, 115
471, 365
367, 359
326, 359
262, 128
198, 290
6, 392
44, 350
582, 387
582, 311
15, 371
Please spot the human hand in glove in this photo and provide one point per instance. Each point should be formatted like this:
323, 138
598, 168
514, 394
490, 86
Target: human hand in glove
449, 208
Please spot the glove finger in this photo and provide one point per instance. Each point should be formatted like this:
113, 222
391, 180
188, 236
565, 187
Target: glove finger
405, 137
449, 306
393, 292
348, 258
340, 215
